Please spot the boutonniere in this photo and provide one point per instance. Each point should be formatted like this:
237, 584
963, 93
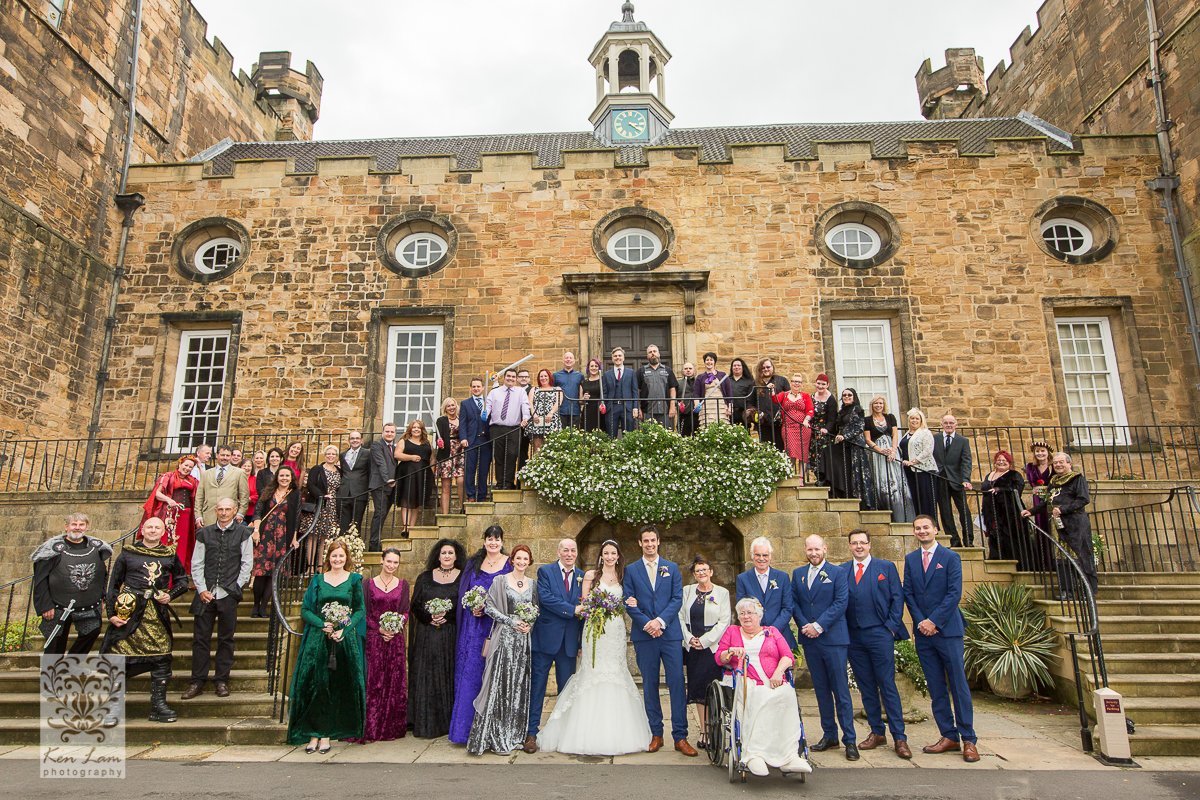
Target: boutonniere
824, 578
711, 599
773, 585
663, 572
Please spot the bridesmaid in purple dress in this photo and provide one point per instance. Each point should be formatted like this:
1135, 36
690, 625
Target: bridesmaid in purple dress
473, 629
387, 679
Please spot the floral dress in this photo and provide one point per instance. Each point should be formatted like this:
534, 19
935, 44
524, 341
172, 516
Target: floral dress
454, 466
542, 404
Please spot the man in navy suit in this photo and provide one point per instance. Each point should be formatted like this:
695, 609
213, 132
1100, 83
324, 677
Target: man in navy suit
769, 586
555, 638
819, 598
620, 389
473, 436
932, 589
653, 596
875, 620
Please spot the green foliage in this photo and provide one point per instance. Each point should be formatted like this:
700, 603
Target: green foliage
655, 475
17, 636
1007, 640
908, 664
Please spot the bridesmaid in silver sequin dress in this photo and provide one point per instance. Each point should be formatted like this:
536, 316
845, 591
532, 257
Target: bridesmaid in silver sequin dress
502, 705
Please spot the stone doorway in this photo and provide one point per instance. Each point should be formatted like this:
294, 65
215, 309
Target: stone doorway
723, 545
635, 335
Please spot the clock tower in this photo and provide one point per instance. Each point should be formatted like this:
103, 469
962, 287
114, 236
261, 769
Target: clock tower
630, 86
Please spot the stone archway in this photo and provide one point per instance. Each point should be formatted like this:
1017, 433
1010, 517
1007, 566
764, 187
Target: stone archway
721, 543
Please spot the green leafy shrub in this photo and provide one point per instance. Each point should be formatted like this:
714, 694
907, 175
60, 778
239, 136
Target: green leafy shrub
1007, 640
655, 475
908, 664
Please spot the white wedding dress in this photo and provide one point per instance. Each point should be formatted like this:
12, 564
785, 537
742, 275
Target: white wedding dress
601, 711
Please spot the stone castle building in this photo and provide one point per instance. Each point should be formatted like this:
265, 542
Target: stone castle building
1010, 266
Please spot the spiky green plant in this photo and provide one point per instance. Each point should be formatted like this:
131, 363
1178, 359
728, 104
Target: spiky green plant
1007, 640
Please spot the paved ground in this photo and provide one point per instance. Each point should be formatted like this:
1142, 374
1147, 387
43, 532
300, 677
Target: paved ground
1040, 737
167, 781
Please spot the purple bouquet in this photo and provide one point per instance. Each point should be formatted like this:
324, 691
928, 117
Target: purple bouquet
598, 608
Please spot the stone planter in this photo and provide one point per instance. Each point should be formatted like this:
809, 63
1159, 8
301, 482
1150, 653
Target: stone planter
1006, 687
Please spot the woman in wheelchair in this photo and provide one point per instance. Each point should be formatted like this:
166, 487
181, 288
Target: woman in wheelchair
771, 729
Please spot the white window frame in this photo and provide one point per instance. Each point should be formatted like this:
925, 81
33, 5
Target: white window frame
1081, 430
426, 236
174, 431
1084, 231
876, 241
429, 411
55, 11
846, 379
624, 232
198, 260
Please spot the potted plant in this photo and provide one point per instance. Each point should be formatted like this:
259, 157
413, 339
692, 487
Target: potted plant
1007, 641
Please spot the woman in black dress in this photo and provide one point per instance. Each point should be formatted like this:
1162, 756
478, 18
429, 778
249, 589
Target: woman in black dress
741, 385
266, 475
704, 616
1002, 509
431, 646
589, 395
850, 468
770, 416
824, 422
414, 472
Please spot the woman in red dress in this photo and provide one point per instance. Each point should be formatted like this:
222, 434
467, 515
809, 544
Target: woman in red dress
798, 410
173, 500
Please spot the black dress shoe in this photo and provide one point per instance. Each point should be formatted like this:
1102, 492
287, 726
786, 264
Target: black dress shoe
823, 745
852, 752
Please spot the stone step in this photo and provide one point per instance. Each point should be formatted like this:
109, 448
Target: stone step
243, 658
1150, 578
1138, 624
1162, 710
1115, 643
137, 704
1182, 664
1166, 740
1149, 608
215, 731
1167, 591
1156, 684
240, 680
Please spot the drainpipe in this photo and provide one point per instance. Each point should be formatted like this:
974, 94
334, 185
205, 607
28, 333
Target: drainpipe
1167, 182
128, 205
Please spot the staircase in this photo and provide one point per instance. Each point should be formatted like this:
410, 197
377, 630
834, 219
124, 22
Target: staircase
1150, 631
242, 718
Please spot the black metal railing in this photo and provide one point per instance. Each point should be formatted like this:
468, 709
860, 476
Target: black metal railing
20, 629
1158, 536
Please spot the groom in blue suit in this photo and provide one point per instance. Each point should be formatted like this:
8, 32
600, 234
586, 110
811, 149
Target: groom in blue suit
820, 594
932, 589
621, 396
653, 596
555, 638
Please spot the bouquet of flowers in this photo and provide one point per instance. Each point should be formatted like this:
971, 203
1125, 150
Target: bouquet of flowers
391, 622
598, 608
526, 612
474, 598
337, 615
438, 605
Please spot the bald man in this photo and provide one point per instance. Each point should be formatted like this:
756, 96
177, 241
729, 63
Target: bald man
221, 566
820, 595
556, 637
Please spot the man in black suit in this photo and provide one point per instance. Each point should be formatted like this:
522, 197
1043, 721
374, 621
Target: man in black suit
356, 479
953, 456
382, 482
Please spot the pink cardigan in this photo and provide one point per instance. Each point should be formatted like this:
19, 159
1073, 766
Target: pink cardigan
774, 650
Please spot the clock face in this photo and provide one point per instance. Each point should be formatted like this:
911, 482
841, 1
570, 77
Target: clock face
632, 123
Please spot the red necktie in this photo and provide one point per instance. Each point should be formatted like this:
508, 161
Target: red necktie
858, 575
566, 582
925, 556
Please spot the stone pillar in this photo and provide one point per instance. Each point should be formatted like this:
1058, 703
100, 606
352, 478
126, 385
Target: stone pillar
643, 67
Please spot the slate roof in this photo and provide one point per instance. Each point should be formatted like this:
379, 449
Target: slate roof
886, 139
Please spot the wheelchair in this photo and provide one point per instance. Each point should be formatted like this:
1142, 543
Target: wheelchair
726, 702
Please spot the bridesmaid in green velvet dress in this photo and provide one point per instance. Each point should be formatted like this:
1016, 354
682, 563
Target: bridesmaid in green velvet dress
328, 697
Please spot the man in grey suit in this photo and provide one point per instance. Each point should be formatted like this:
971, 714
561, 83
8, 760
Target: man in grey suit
218, 482
953, 456
356, 480
382, 481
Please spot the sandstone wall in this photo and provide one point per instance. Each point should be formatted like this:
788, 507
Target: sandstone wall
971, 295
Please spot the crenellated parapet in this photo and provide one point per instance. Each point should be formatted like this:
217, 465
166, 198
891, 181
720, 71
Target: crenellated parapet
947, 92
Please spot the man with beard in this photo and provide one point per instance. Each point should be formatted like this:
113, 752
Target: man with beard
657, 388
70, 572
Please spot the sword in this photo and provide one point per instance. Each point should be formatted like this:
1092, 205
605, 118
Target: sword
61, 624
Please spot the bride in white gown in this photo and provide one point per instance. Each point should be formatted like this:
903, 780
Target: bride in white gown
601, 711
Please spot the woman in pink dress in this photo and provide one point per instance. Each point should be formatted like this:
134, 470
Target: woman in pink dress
387, 678
173, 500
797, 408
